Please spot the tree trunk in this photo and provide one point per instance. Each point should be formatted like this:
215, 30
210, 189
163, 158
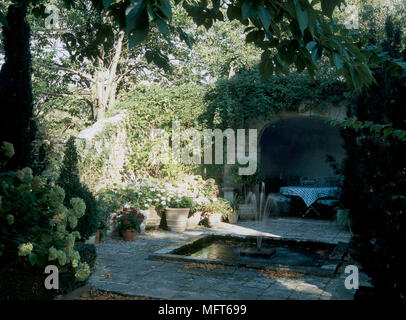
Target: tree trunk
105, 82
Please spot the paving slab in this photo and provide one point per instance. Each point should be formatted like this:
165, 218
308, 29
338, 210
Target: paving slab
123, 267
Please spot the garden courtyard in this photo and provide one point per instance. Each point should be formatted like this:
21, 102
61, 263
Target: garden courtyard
202, 150
125, 267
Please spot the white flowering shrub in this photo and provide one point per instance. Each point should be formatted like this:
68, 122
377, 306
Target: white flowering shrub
147, 194
188, 191
34, 221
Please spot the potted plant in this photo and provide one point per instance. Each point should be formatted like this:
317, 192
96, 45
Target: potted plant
216, 211
204, 192
233, 214
177, 213
214, 219
245, 181
151, 198
128, 221
193, 220
104, 217
98, 237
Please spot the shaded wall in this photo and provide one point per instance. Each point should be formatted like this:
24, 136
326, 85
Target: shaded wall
299, 147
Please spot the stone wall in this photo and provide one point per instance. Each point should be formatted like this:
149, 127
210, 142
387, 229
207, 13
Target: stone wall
103, 149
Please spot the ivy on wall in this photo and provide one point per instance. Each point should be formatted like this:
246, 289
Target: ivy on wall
232, 103
229, 103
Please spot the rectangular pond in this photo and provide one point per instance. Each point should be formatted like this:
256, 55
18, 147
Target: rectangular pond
307, 257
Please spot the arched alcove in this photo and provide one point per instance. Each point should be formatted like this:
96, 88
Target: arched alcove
296, 147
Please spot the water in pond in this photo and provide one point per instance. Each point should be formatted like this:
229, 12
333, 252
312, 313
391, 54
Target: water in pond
284, 255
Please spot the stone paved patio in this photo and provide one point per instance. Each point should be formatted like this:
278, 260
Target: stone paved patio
123, 267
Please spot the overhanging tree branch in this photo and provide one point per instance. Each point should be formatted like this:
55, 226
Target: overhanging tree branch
66, 69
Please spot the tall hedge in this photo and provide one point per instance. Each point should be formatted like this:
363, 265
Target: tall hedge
69, 180
375, 183
16, 109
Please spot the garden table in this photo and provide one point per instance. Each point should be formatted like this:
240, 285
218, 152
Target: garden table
310, 194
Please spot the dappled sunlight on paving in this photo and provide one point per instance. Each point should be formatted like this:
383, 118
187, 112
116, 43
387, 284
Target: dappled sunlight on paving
301, 229
242, 230
124, 267
302, 287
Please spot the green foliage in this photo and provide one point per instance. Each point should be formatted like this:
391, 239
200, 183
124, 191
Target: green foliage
87, 253
128, 219
374, 177
67, 280
235, 203
27, 283
283, 32
233, 103
34, 224
342, 217
142, 195
113, 198
229, 103
285, 41
221, 206
155, 107
147, 194
69, 180
24, 284
3, 20
218, 52
245, 181
182, 202
379, 130
372, 19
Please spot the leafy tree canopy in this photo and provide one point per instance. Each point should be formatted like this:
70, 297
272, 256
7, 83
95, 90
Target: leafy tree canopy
291, 33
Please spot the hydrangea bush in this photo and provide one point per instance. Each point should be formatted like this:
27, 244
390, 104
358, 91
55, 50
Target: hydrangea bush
34, 223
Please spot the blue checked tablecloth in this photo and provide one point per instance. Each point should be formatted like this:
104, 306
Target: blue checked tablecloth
310, 194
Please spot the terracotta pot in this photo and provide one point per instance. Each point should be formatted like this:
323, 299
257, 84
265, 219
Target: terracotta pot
128, 235
97, 237
176, 219
214, 219
193, 221
233, 217
153, 218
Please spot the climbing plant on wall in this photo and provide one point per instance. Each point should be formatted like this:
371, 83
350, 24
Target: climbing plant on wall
232, 103
154, 107
229, 103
